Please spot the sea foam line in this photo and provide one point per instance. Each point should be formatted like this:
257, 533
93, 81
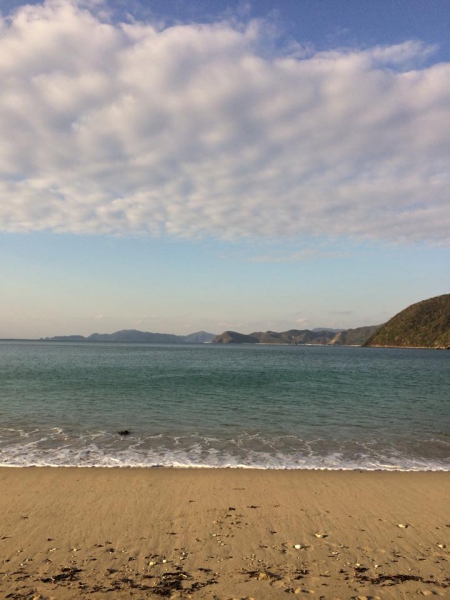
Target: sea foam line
184, 460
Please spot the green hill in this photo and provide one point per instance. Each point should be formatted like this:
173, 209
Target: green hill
233, 337
354, 337
422, 325
293, 336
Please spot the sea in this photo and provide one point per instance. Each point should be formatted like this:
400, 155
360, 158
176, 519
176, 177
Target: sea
232, 406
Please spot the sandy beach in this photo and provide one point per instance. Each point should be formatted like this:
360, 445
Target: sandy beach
222, 534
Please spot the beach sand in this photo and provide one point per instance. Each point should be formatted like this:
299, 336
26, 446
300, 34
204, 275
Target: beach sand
222, 534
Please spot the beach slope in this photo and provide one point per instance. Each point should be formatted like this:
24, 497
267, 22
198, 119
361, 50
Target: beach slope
68, 533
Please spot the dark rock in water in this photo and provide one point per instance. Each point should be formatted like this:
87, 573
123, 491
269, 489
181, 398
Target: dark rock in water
124, 432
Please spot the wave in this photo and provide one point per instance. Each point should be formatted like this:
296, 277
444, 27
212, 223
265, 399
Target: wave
55, 447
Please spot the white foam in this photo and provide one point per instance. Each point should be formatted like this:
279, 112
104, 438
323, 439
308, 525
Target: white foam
55, 448
92, 456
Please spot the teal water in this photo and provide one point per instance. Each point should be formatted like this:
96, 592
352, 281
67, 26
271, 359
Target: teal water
205, 405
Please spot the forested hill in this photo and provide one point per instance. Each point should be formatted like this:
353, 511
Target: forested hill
353, 337
293, 336
422, 325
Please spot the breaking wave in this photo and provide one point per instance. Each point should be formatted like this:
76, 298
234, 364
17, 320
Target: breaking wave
56, 447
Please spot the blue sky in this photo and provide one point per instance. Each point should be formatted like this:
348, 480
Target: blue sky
325, 23
176, 166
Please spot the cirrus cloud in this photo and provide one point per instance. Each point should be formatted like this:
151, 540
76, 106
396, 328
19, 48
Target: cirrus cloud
196, 130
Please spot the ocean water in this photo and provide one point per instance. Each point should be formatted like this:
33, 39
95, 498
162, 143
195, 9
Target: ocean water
313, 407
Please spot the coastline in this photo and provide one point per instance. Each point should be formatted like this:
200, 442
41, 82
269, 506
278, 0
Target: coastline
215, 344
442, 468
222, 533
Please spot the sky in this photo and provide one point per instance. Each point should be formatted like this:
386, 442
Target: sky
175, 166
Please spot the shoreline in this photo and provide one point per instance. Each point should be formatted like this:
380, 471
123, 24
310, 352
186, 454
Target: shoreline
226, 534
245, 468
221, 344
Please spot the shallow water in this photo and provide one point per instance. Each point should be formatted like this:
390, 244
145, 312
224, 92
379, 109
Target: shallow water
205, 405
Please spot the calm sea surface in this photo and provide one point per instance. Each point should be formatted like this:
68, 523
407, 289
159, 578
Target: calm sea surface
204, 405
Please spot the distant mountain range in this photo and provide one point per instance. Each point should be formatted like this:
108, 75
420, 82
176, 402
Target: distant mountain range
327, 329
425, 324
318, 335
348, 337
133, 335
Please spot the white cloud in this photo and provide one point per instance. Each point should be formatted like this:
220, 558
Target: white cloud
302, 321
194, 130
299, 256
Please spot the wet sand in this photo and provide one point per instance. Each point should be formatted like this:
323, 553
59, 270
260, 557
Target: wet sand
222, 534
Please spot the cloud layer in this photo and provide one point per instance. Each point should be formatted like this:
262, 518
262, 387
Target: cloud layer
197, 130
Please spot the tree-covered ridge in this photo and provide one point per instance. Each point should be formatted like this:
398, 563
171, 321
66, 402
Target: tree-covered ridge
293, 336
425, 324
233, 337
353, 337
